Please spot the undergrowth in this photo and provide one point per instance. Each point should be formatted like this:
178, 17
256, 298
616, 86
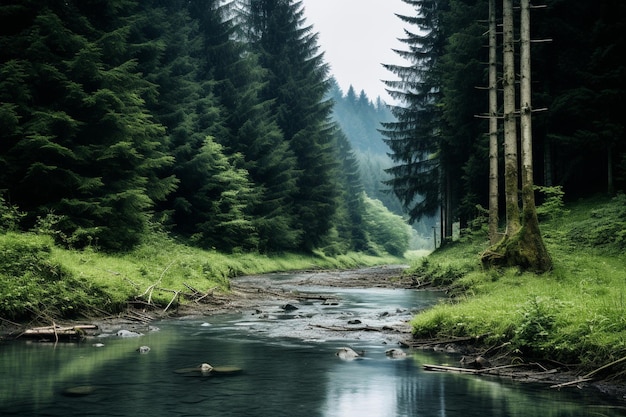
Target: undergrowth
574, 314
41, 281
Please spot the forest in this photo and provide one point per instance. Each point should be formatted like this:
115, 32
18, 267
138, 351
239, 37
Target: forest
440, 141
211, 120
219, 122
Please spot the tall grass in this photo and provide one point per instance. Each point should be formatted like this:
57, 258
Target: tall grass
40, 280
576, 313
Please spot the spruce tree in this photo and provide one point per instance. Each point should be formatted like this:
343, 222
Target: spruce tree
87, 147
418, 178
297, 86
249, 125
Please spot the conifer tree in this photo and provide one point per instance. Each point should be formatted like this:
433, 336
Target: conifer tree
418, 178
249, 126
297, 85
87, 147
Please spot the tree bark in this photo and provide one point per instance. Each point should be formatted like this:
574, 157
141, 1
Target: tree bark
494, 237
510, 126
538, 257
523, 245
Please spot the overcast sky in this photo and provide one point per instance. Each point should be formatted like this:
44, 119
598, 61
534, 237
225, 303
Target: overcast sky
357, 36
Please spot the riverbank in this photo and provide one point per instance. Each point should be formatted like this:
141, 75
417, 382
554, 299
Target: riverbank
262, 295
572, 318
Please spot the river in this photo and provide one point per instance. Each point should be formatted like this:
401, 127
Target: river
287, 361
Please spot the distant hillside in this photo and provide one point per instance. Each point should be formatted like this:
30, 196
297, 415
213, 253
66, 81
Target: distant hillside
360, 119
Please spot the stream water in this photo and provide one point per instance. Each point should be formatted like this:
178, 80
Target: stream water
288, 363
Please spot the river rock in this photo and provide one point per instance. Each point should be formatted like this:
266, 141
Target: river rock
347, 353
143, 349
395, 353
128, 333
477, 363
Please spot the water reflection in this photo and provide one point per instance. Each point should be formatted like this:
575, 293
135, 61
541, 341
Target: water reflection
282, 375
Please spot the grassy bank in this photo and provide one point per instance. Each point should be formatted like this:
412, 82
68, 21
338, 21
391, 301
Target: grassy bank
575, 314
40, 280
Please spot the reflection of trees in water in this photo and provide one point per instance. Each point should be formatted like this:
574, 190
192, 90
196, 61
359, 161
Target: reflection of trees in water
446, 394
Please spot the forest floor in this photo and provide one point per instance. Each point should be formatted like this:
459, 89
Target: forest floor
257, 293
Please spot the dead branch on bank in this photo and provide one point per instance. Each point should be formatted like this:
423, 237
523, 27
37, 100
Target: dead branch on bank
589, 376
495, 370
429, 343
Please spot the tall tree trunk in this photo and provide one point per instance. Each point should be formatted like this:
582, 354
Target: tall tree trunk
493, 126
531, 243
522, 246
510, 125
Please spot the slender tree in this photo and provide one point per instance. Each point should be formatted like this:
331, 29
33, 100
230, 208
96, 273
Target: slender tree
511, 175
533, 247
493, 126
522, 245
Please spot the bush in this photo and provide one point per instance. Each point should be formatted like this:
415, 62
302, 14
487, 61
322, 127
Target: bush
32, 285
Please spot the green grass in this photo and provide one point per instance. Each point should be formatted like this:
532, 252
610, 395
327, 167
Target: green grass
575, 313
40, 280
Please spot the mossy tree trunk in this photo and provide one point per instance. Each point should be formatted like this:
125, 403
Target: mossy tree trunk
523, 246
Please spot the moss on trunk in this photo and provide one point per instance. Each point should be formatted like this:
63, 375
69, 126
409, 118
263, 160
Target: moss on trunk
524, 249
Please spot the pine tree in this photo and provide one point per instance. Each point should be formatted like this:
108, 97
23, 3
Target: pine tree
297, 86
88, 149
249, 127
418, 179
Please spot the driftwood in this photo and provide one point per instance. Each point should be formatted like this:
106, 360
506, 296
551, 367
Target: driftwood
58, 332
355, 329
133, 314
496, 370
589, 376
435, 342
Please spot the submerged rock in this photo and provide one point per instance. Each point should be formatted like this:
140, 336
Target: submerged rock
347, 353
143, 349
128, 333
206, 369
395, 353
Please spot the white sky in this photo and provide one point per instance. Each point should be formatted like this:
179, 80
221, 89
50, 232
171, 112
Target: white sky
357, 36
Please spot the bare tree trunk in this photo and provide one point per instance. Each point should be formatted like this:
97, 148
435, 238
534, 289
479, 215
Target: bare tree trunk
522, 245
510, 125
493, 126
531, 243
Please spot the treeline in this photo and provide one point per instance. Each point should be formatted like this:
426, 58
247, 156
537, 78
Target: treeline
439, 142
206, 117
360, 119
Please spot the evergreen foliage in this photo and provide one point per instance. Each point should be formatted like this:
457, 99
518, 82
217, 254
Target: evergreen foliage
297, 85
414, 138
440, 146
210, 118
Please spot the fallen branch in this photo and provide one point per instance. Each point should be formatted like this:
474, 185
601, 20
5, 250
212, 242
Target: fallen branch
434, 342
602, 368
589, 376
172, 300
570, 383
209, 292
354, 329
56, 332
495, 370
